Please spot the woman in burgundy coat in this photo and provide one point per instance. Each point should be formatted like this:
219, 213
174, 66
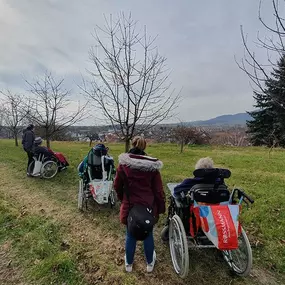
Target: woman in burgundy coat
145, 188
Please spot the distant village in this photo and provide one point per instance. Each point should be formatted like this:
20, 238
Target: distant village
216, 135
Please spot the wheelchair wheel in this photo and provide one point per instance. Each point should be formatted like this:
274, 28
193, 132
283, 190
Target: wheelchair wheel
240, 260
49, 169
81, 198
112, 199
178, 246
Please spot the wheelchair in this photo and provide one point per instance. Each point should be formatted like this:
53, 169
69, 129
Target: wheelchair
97, 182
197, 219
47, 167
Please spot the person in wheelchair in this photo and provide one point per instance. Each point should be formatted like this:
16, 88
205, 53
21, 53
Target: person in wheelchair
41, 150
203, 213
91, 166
39, 153
206, 187
188, 183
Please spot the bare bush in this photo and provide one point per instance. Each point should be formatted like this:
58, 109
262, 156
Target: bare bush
190, 135
235, 136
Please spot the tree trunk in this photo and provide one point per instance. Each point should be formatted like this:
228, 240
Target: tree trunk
16, 141
127, 144
15, 135
48, 142
90, 142
47, 138
181, 146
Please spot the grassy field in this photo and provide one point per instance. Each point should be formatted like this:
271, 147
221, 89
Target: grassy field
45, 240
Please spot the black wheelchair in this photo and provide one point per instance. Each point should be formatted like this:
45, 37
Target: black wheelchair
188, 226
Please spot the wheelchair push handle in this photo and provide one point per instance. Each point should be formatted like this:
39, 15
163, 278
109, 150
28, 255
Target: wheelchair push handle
248, 198
241, 193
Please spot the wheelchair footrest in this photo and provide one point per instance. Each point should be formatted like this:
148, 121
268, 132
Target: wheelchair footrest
200, 242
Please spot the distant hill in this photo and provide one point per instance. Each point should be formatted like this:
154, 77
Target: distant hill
224, 120
229, 120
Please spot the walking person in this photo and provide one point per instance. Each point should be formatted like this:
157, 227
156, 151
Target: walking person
139, 187
28, 142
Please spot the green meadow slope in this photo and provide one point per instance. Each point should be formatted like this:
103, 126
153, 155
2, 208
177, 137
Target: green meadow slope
44, 239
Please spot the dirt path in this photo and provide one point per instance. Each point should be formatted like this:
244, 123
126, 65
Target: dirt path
100, 253
10, 273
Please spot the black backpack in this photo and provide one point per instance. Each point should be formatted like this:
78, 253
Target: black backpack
140, 220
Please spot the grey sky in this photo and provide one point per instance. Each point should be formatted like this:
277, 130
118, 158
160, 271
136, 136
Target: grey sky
199, 38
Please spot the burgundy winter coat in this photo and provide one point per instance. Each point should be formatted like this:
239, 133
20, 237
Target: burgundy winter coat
145, 185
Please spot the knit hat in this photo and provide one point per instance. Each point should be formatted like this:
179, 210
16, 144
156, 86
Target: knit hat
38, 140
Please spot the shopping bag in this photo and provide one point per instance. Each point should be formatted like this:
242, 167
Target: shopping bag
37, 168
101, 190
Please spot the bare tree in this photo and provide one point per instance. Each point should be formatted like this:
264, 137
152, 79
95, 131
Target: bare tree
50, 106
92, 135
234, 136
1, 117
130, 80
274, 46
181, 136
14, 113
185, 135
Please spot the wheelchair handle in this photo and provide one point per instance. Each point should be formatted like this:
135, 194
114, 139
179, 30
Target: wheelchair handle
246, 196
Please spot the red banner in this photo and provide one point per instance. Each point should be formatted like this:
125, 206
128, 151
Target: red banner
226, 231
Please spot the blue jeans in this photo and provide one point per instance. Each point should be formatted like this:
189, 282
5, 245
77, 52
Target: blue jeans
131, 243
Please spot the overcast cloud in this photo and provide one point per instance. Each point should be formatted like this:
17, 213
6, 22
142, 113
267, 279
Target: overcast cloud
199, 38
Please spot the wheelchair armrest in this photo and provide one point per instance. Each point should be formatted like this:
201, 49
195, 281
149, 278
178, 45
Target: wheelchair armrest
181, 202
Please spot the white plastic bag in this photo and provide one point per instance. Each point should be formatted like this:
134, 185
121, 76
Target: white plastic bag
101, 190
37, 168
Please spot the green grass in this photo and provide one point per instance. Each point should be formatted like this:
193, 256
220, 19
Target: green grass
260, 175
37, 244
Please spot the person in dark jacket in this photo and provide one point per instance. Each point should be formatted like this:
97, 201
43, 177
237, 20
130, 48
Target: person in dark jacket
27, 143
145, 188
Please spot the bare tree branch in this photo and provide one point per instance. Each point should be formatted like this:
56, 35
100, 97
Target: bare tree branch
130, 81
50, 105
258, 71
